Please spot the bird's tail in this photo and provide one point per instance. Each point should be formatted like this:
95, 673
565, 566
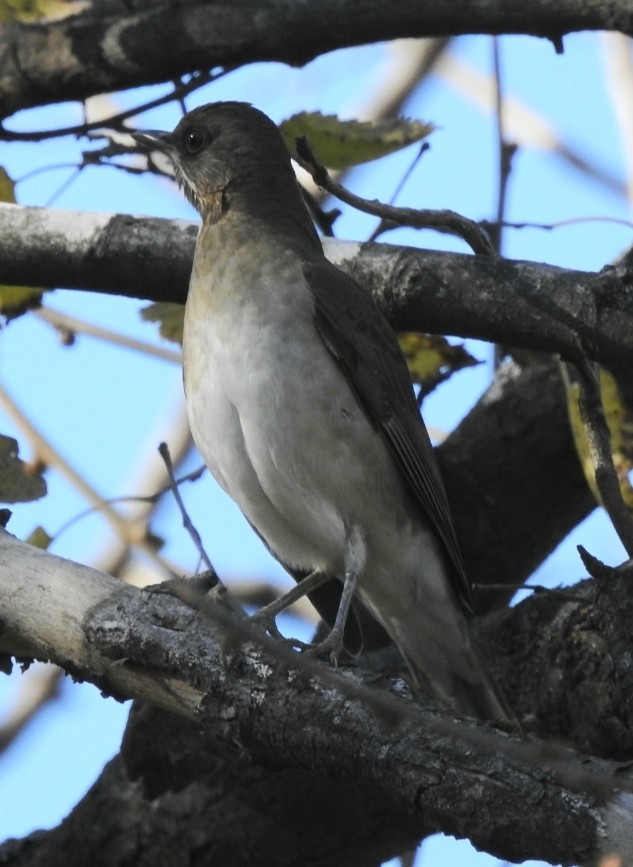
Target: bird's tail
468, 686
452, 667
477, 695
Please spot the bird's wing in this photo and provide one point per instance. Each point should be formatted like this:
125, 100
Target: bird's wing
362, 341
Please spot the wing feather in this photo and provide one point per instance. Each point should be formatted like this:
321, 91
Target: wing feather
357, 334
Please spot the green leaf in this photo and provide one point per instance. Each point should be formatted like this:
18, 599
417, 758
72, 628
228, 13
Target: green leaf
620, 420
18, 484
432, 359
339, 144
40, 538
169, 316
39, 10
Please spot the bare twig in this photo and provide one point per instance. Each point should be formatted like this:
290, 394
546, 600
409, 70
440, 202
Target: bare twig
150, 499
561, 224
70, 323
525, 126
50, 456
132, 532
116, 120
384, 225
505, 150
443, 221
186, 520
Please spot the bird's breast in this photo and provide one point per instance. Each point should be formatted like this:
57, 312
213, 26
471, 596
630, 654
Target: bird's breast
276, 421
252, 367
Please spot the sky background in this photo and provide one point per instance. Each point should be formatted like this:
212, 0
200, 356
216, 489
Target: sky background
106, 408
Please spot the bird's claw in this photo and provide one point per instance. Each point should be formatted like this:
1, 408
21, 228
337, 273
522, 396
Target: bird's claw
268, 623
330, 648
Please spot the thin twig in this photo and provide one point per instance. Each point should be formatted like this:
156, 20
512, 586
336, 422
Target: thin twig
115, 120
527, 127
187, 523
132, 532
385, 226
65, 185
150, 499
442, 221
505, 151
50, 456
70, 323
560, 224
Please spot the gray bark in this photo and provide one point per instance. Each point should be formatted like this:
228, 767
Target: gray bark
305, 727
521, 304
146, 41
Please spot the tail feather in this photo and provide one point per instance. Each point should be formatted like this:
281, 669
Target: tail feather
470, 689
445, 661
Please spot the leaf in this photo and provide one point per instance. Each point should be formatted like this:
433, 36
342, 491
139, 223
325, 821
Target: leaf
620, 421
15, 300
432, 359
18, 484
339, 144
27, 11
40, 538
169, 316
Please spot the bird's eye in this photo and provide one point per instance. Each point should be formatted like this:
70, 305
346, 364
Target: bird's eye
194, 140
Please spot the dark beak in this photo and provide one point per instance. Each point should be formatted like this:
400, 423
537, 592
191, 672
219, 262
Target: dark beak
154, 139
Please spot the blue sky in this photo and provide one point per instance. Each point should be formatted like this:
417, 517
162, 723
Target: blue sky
107, 408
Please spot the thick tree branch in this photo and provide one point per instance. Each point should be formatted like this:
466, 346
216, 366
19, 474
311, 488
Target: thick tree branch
520, 304
146, 41
511, 470
171, 656
514, 480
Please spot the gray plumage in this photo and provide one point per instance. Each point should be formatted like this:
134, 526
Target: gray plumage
300, 403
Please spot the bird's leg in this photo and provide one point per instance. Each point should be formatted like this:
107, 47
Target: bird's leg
354, 559
266, 616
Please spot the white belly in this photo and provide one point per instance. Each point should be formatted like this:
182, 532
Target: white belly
280, 429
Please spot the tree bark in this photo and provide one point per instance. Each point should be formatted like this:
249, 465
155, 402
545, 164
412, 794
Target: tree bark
521, 304
146, 41
238, 751
511, 470
294, 728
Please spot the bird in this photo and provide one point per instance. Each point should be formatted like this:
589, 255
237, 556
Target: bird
300, 403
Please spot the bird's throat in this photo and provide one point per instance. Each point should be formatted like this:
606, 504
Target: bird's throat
212, 207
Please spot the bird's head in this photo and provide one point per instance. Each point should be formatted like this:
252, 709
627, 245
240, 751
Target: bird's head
228, 154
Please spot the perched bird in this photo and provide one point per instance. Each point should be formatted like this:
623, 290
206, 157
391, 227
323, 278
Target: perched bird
300, 403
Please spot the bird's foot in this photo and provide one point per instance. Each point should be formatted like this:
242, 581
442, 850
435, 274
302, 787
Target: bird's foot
330, 648
267, 622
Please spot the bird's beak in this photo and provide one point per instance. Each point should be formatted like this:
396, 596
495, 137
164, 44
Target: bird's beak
154, 139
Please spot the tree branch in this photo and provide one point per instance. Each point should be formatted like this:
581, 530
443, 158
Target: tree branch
471, 781
520, 304
513, 478
147, 41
